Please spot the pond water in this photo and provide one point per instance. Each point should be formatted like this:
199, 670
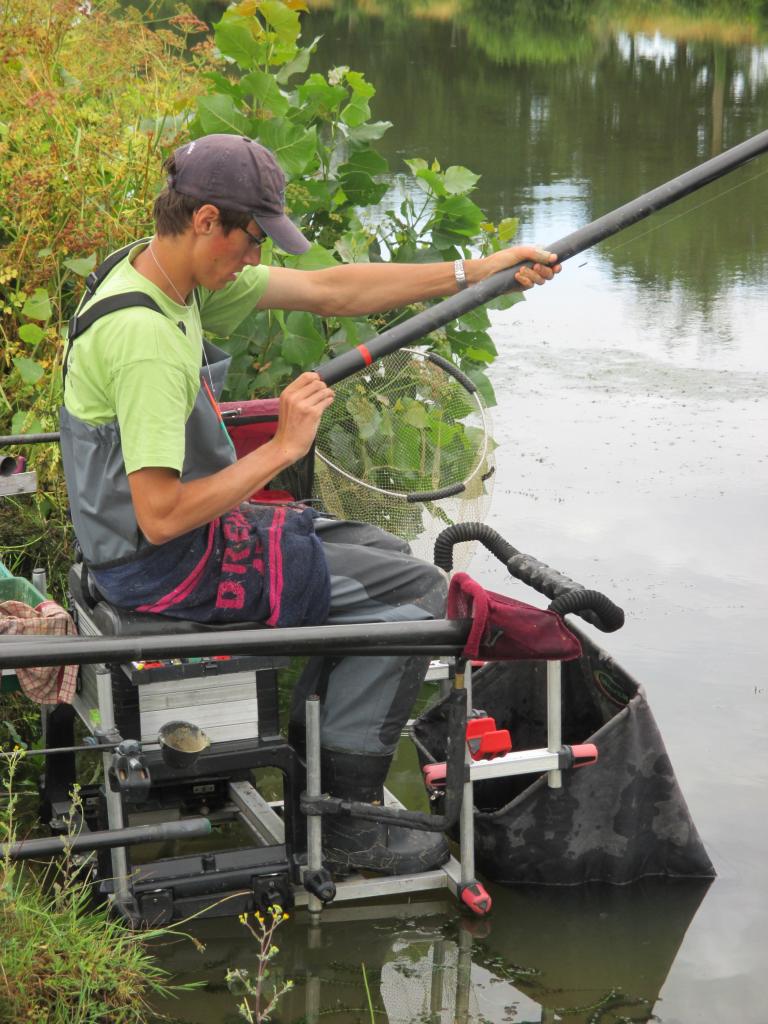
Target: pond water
632, 421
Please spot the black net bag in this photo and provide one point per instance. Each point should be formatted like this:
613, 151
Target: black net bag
616, 821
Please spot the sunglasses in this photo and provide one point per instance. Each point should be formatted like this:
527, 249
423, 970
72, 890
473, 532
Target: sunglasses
255, 241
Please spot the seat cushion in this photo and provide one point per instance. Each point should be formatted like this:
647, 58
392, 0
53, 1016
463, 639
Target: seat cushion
110, 620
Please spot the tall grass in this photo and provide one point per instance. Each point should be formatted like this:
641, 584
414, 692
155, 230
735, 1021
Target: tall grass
61, 960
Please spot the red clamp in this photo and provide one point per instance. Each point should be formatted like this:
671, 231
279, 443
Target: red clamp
434, 775
475, 896
583, 754
485, 740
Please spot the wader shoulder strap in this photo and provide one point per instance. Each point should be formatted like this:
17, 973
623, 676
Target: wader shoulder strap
81, 323
78, 324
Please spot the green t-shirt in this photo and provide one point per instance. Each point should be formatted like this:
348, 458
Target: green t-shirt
135, 366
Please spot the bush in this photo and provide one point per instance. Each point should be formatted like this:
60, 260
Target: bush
89, 104
320, 127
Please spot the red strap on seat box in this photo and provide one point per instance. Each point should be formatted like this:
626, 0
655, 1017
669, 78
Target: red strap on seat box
246, 437
507, 630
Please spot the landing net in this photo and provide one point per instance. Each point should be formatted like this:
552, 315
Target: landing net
407, 446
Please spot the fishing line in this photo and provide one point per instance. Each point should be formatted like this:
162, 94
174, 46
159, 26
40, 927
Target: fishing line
670, 220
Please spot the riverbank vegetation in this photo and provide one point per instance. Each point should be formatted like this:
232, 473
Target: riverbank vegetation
89, 106
64, 962
89, 100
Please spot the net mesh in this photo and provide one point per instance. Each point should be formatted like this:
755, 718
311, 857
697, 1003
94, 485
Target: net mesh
407, 427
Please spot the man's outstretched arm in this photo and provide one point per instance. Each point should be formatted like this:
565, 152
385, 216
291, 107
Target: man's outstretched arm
353, 289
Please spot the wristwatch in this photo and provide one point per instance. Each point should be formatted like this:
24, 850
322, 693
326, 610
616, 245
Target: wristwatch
460, 275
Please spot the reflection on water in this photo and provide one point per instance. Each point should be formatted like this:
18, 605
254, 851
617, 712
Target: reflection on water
579, 955
632, 112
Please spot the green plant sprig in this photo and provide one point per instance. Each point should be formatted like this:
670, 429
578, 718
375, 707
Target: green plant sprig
258, 995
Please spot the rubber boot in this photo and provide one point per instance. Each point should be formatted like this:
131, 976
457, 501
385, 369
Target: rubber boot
351, 844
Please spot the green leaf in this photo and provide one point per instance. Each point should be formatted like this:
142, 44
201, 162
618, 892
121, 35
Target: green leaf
25, 423
235, 39
312, 196
315, 258
416, 415
31, 334
356, 112
38, 305
459, 180
352, 331
433, 181
354, 247
506, 301
416, 164
265, 91
81, 267
304, 344
475, 319
282, 19
369, 132
507, 228
29, 370
366, 416
359, 86
299, 64
219, 115
356, 177
274, 377
482, 383
367, 160
293, 145
320, 97
223, 84
362, 190
460, 215
479, 355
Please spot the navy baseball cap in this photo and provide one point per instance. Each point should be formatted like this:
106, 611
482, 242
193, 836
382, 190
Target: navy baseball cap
236, 173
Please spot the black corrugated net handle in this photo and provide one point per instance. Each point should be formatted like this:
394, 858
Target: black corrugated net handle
568, 597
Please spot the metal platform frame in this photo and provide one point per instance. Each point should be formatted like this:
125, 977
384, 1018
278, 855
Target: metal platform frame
282, 853
283, 862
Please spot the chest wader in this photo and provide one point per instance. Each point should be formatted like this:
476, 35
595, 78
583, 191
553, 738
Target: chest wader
108, 534
92, 455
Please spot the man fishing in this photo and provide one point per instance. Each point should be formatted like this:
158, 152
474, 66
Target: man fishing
160, 502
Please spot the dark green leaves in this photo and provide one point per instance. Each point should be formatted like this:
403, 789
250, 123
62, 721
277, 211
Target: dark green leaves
320, 129
220, 114
295, 147
357, 177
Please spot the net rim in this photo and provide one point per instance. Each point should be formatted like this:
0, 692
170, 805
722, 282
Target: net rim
447, 367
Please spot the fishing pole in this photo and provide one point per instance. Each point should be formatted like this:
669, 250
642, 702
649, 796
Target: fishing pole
475, 295
609, 224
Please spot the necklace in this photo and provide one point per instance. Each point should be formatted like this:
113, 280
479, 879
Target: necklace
163, 271
207, 387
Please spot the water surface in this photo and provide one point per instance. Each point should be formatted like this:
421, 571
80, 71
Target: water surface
632, 420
